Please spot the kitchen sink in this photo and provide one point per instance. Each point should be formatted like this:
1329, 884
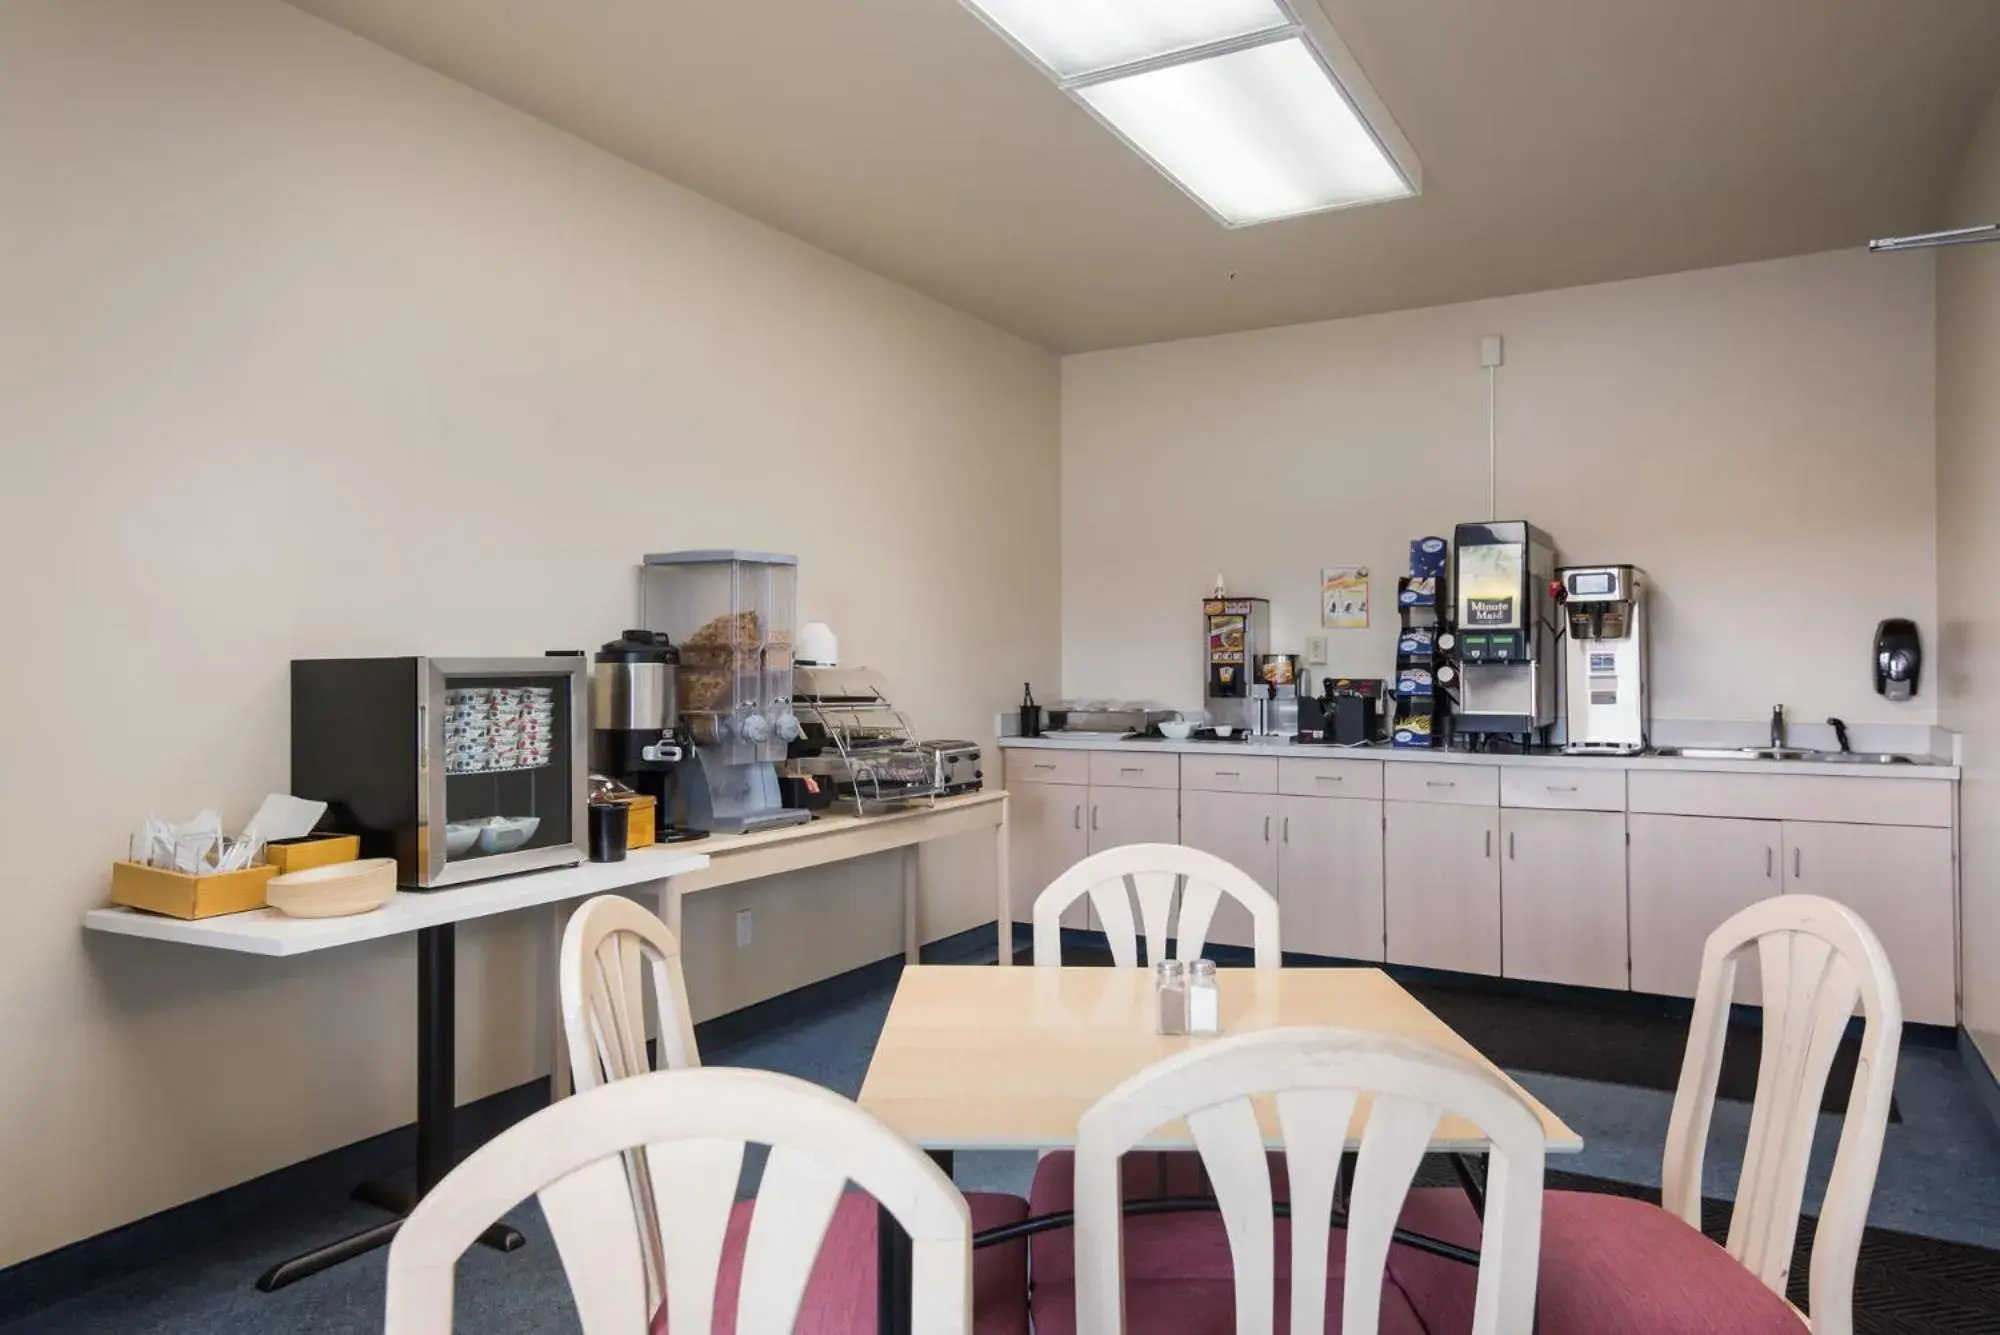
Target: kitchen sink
1784, 753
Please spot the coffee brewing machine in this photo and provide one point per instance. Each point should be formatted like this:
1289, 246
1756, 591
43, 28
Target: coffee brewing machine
1607, 709
1238, 632
731, 614
635, 719
1506, 632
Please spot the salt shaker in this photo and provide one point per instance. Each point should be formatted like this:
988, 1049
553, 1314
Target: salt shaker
1170, 981
1204, 1000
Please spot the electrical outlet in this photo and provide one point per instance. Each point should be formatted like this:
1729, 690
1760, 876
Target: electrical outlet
1316, 650
743, 928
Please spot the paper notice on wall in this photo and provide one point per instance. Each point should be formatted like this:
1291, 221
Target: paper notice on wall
1343, 597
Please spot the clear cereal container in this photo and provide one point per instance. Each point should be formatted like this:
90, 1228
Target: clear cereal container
731, 613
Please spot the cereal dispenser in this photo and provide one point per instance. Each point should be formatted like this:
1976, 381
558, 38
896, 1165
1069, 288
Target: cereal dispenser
731, 613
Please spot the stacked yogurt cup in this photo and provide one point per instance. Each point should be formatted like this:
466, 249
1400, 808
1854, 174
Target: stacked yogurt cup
498, 728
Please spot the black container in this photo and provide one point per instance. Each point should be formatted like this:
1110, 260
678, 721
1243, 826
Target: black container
1031, 713
610, 824
805, 793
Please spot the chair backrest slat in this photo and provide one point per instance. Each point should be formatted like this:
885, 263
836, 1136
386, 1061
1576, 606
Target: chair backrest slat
1149, 874
1318, 1077
1818, 959
784, 1243
693, 1125
1314, 1125
699, 1178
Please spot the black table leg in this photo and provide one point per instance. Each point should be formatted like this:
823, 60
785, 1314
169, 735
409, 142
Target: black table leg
437, 1112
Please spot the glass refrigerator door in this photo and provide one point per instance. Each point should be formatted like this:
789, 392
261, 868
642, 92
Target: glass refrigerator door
510, 762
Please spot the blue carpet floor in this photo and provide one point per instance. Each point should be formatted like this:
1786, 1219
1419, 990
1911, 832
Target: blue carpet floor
1938, 1168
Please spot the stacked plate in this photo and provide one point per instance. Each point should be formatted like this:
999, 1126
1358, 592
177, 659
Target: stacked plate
489, 728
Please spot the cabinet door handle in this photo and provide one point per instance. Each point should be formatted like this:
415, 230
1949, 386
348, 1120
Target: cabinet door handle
1327, 778
1044, 764
1566, 788
1093, 815
1440, 783
1286, 831
1770, 857
1489, 843
1510, 845
1267, 829
1228, 774
1079, 815
1796, 872
1131, 769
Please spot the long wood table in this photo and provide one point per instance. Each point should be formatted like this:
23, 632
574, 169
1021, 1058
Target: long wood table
731, 859
1012, 1059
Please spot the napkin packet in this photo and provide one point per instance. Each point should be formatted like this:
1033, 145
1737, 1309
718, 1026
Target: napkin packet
198, 847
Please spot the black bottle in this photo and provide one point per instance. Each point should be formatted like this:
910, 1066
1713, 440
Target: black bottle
1031, 713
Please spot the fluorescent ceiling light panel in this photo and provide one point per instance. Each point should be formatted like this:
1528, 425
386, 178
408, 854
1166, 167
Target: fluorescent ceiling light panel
1078, 37
1256, 134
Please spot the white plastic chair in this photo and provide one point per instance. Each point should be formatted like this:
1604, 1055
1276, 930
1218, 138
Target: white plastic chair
1318, 1077
1818, 959
1150, 873
692, 1125
607, 948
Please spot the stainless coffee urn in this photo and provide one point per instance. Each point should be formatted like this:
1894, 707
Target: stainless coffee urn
635, 716
1607, 709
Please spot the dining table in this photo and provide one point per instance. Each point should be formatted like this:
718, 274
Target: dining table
976, 1058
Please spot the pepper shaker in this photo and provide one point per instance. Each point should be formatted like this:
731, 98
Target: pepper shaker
1170, 983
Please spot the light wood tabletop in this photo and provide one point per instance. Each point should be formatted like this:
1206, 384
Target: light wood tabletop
981, 1058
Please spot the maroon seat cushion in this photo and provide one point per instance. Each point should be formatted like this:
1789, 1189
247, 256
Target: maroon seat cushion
840, 1296
1197, 1300
1146, 1175
1609, 1263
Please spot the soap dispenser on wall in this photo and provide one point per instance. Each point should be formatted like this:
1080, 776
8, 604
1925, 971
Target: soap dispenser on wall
1899, 658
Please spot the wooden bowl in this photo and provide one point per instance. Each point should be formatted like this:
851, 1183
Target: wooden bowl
335, 891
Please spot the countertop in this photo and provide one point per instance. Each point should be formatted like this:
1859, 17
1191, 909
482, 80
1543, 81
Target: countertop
1923, 769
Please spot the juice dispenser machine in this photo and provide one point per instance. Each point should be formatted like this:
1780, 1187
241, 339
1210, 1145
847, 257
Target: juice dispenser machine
731, 614
1237, 631
1606, 707
1506, 643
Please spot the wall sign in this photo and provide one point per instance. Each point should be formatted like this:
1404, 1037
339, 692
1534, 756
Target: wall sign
1343, 597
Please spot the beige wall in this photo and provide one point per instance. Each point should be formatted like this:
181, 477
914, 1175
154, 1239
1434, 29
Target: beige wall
1767, 422
306, 350
1968, 393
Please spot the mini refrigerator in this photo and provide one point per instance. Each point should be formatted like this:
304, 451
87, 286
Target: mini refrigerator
461, 769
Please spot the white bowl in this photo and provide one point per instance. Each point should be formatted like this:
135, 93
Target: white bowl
504, 834
1225, 730
460, 836
334, 891
1176, 730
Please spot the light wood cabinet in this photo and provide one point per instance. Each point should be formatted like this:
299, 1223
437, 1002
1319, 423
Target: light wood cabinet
1562, 897
1688, 875
1046, 837
1330, 874
1120, 816
1240, 828
1443, 877
1898, 878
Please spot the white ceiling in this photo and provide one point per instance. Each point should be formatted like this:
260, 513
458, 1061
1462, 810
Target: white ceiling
1562, 142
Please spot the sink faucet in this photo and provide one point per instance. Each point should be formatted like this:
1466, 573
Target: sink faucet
1839, 727
1777, 727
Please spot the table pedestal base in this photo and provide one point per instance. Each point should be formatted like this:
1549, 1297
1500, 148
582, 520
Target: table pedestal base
436, 1112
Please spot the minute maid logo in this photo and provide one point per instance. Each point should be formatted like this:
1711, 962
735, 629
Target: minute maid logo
1490, 611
